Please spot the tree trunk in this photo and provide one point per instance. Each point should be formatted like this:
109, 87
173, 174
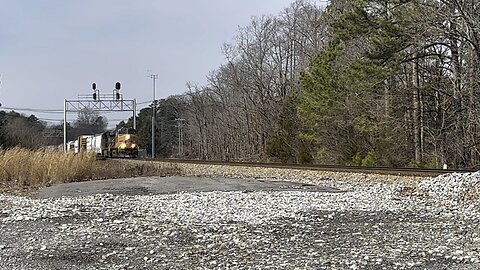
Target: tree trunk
457, 95
416, 114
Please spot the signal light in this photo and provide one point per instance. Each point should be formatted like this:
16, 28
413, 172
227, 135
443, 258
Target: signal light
94, 86
94, 96
117, 86
117, 95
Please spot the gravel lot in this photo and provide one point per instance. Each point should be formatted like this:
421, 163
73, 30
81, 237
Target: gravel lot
378, 222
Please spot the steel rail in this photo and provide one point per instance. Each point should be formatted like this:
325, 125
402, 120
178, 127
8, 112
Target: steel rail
333, 168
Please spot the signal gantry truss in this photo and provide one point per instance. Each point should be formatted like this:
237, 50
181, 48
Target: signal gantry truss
102, 103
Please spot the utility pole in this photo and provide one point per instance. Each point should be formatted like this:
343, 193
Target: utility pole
0, 83
154, 111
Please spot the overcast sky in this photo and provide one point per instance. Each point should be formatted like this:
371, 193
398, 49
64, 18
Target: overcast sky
54, 49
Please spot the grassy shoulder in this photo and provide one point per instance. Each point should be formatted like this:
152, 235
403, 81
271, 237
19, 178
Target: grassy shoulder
25, 171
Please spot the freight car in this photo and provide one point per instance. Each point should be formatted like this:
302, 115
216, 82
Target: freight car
119, 143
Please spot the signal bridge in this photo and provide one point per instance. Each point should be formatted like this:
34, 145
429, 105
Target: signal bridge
99, 103
103, 103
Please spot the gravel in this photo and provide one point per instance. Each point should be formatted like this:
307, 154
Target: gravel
378, 222
453, 188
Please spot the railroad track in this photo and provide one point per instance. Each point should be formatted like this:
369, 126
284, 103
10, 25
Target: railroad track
334, 168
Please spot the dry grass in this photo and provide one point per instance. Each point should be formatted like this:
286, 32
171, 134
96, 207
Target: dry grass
23, 170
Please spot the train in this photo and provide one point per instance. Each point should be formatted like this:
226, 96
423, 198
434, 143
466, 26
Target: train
119, 143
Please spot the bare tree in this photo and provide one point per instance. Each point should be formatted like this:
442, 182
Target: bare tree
90, 122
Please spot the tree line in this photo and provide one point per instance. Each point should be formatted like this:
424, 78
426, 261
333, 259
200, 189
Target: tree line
390, 83
20, 130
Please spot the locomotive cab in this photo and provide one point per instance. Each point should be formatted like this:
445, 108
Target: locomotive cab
125, 142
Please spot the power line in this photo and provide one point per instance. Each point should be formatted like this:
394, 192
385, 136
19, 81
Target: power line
41, 110
53, 111
61, 120
49, 119
33, 110
145, 102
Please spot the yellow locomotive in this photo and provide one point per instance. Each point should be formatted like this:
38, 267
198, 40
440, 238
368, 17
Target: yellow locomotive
124, 143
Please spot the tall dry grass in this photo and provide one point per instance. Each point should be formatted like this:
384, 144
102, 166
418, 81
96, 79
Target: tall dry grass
23, 169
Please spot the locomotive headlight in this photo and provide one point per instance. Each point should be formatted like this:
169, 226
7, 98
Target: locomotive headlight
134, 145
123, 145
127, 137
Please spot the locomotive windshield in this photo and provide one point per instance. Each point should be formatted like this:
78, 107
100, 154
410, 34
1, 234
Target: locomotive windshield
123, 131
